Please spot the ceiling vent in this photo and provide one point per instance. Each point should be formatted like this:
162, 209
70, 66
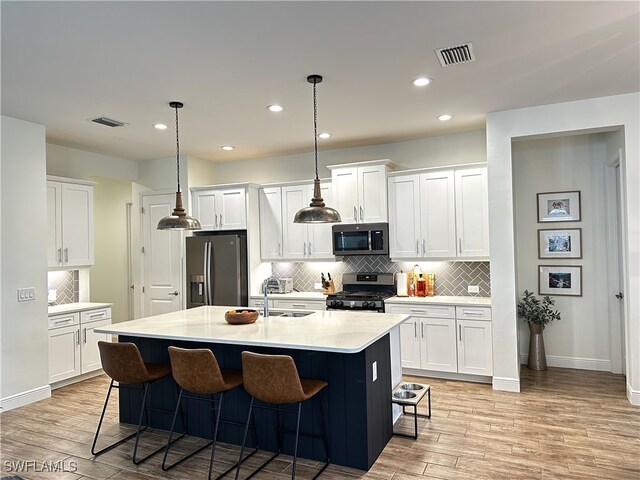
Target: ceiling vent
109, 122
455, 55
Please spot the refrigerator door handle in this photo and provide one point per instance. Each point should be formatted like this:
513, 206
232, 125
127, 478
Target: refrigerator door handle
209, 268
204, 271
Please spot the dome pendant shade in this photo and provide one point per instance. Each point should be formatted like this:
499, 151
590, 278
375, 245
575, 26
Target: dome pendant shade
316, 212
178, 220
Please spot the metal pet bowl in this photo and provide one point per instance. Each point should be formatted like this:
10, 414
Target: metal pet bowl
404, 395
412, 386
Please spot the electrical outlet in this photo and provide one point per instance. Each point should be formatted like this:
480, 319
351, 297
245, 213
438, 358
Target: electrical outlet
53, 295
374, 368
26, 294
473, 289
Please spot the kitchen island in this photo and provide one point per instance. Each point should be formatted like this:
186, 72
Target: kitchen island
354, 352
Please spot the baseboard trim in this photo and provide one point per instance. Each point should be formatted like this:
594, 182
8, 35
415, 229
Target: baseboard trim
25, 398
446, 375
79, 378
633, 395
506, 384
574, 362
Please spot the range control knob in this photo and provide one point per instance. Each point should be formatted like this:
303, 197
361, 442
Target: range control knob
369, 304
339, 303
332, 303
352, 303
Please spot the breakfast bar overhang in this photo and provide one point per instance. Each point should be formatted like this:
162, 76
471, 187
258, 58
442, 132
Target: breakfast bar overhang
358, 354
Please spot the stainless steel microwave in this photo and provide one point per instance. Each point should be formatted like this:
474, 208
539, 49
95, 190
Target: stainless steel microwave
361, 239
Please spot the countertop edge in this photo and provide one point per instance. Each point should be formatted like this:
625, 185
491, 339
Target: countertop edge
77, 307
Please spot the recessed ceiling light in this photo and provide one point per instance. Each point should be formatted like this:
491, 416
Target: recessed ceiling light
445, 117
160, 126
227, 148
421, 82
325, 135
275, 108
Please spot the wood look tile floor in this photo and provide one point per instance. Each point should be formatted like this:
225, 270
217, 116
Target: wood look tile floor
566, 424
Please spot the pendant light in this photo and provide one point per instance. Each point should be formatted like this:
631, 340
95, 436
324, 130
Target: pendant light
178, 220
316, 212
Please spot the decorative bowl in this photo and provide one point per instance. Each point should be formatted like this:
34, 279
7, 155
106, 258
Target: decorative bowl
241, 317
411, 386
404, 395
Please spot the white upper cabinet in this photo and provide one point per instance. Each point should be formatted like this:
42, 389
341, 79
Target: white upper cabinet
472, 218
220, 208
70, 224
280, 238
360, 192
439, 214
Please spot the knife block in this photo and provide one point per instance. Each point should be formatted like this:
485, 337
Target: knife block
330, 289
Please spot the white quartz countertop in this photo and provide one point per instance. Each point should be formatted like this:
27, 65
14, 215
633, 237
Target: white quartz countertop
327, 331
292, 296
76, 307
441, 300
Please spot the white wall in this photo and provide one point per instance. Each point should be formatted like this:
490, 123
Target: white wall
74, 163
502, 127
467, 147
581, 338
200, 172
24, 370
160, 174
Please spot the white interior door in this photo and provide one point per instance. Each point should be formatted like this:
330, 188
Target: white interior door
620, 294
162, 258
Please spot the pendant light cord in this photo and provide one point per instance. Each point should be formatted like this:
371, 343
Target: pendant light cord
177, 150
315, 128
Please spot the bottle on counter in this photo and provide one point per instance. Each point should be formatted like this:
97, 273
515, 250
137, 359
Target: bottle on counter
431, 284
421, 287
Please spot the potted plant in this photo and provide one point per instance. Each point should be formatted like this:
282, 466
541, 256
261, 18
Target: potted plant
537, 314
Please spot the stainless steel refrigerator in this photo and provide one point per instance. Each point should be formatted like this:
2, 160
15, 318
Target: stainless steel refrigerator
217, 270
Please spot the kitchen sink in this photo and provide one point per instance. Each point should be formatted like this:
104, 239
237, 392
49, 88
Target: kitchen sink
288, 313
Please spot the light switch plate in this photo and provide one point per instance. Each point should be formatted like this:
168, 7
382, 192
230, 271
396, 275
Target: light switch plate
374, 368
473, 289
26, 294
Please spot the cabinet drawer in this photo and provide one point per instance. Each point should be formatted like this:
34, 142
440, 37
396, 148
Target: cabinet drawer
300, 304
94, 315
66, 320
473, 313
435, 311
255, 303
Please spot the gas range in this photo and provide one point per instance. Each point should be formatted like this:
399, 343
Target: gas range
363, 291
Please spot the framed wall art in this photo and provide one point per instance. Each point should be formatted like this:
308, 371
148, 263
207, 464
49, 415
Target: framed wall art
560, 280
560, 243
559, 207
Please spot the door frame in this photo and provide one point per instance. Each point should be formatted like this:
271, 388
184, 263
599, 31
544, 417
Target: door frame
618, 328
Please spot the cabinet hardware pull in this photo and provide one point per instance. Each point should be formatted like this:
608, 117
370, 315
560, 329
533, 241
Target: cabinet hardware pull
424, 248
415, 330
361, 214
279, 250
60, 256
220, 220
460, 245
416, 311
417, 246
66, 255
309, 248
84, 331
460, 332
304, 248
422, 329
298, 305
96, 315
62, 321
477, 314
78, 337
355, 214
215, 225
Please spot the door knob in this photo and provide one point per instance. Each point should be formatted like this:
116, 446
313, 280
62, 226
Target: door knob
619, 295
175, 294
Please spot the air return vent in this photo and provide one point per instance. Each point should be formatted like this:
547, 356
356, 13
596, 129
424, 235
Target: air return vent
109, 122
455, 55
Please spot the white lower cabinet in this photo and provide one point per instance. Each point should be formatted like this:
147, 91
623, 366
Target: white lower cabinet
73, 343
446, 338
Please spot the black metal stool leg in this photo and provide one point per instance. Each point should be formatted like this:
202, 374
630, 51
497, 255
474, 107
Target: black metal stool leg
215, 434
244, 439
95, 439
173, 425
295, 450
325, 438
143, 412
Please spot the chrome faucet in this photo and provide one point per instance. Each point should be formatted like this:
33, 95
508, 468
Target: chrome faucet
265, 312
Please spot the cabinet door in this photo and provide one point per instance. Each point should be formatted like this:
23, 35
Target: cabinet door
270, 223
372, 194
77, 224
472, 217
64, 353
89, 352
438, 344
437, 220
404, 217
410, 343
320, 244
345, 188
475, 355
54, 224
232, 209
205, 208
294, 235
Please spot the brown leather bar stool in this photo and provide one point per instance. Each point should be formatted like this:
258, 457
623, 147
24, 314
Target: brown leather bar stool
197, 371
124, 364
274, 379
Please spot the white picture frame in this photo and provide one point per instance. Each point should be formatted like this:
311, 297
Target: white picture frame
559, 206
560, 243
560, 280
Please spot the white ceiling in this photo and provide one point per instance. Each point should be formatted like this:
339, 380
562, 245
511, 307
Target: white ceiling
66, 62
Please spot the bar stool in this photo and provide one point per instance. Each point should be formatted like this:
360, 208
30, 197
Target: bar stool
123, 363
274, 379
197, 371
